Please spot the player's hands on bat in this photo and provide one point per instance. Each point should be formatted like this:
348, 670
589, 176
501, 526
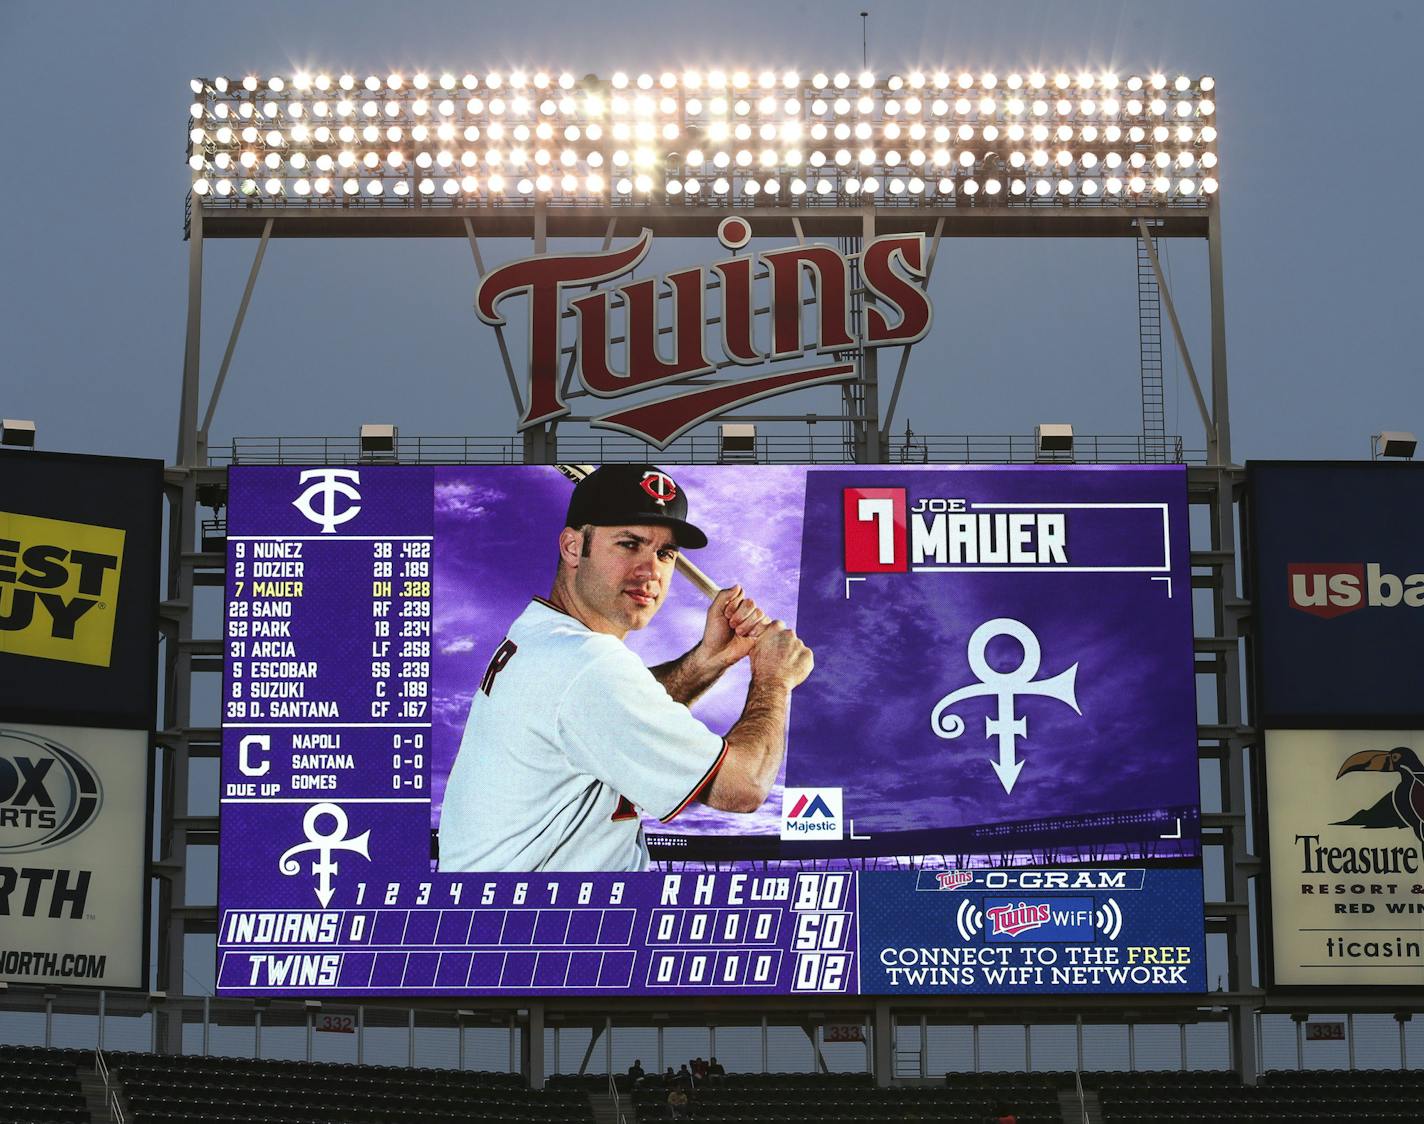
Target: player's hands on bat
779, 655
733, 624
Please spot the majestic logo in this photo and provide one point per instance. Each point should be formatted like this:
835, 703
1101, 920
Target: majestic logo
328, 483
954, 879
660, 487
59, 588
324, 867
1331, 589
48, 793
1006, 686
892, 271
1011, 920
811, 813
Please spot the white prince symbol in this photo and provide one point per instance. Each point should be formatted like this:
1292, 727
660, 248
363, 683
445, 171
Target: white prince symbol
1006, 685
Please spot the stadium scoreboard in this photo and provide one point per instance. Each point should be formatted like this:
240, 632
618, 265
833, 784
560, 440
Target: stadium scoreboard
1023, 729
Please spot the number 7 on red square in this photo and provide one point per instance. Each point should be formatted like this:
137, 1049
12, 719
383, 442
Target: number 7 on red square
875, 531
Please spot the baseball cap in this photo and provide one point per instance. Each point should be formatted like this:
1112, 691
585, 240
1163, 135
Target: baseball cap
616, 495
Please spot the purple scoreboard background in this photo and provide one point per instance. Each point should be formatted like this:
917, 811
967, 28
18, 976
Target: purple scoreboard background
990, 785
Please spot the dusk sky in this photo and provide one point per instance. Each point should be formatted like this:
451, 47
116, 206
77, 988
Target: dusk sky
1315, 103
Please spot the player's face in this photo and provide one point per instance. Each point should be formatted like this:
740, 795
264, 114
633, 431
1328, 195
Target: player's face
625, 575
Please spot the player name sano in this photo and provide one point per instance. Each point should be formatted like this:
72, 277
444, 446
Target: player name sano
570, 738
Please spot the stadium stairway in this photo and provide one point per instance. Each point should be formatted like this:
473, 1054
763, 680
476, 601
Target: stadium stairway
96, 1096
608, 1111
1089, 1112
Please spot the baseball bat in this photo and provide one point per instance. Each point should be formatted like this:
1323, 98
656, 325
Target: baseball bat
685, 566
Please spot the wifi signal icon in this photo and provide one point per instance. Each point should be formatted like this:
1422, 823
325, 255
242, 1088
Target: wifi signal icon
1109, 919
969, 920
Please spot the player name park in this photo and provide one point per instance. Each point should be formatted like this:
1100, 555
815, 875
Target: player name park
626, 343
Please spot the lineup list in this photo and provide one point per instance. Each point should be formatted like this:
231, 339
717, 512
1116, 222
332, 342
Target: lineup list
328, 656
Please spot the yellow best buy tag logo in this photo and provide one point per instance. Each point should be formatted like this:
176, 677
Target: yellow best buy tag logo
59, 588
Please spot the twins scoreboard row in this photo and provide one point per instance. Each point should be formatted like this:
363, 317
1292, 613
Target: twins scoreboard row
472, 738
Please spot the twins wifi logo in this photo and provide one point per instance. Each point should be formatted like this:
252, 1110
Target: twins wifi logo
1022, 917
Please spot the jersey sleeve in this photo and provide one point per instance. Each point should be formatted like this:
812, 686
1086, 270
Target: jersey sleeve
617, 723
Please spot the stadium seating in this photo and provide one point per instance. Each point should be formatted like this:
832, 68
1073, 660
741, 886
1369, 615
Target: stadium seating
1187, 1097
163, 1089
854, 1099
41, 1085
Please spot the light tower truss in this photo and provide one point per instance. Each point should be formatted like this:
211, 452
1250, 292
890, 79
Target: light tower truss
542, 156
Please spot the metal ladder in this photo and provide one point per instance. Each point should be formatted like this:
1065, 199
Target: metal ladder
1149, 337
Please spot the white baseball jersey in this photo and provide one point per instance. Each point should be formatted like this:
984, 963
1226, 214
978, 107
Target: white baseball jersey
569, 735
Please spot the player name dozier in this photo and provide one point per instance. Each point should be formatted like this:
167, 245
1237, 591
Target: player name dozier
943, 533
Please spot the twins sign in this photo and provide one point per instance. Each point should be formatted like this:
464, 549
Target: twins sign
898, 312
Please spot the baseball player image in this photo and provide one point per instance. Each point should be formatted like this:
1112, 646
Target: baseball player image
570, 739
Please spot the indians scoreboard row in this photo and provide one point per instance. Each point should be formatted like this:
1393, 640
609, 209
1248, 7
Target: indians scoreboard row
990, 782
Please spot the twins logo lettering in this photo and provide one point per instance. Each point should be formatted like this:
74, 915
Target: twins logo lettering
327, 484
324, 867
954, 879
1016, 919
1006, 686
1331, 589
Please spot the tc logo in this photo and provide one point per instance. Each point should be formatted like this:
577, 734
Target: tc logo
660, 486
327, 484
1006, 686
324, 867
812, 813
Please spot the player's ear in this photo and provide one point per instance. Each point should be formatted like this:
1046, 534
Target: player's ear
570, 546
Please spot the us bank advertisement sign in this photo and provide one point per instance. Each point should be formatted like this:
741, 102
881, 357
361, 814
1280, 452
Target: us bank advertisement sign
1345, 815
920, 730
78, 588
1338, 569
73, 855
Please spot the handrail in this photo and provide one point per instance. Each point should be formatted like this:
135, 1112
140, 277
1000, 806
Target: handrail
617, 1103
101, 1067
1082, 1100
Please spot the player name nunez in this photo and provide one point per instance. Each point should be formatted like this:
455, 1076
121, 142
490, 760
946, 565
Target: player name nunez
944, 533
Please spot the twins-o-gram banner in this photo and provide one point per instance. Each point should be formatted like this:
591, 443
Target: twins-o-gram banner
1338, 567
73, 855
436, 782
1345, 817
78, 588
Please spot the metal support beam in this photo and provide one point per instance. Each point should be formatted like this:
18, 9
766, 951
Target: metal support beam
232, 341
1219, 399
499, 328
870, 450
905, 351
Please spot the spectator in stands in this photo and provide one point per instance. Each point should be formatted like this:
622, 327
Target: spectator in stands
677, 1103
1004, 1115
684, 1076
699, 1069
635, 1072
716, 1074
669, 1078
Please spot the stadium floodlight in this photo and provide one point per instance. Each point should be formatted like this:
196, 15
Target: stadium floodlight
1389, 443
1053, 439
386, 130
17, 433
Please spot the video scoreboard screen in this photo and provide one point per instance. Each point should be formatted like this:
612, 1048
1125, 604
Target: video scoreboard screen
451, 767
